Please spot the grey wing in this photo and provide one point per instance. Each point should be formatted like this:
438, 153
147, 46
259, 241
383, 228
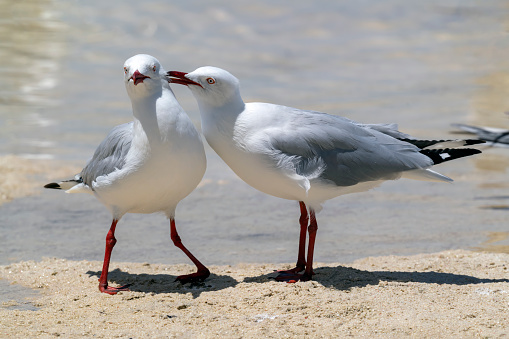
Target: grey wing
110, 154
334, 149
389, 129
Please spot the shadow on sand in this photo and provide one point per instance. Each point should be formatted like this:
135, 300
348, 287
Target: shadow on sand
344, 278
165, 283
340, 278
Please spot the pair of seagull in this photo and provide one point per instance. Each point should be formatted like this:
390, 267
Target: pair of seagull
150, 164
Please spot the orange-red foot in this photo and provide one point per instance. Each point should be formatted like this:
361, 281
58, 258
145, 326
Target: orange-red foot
113, 290
293, 277
294, 270
193, 277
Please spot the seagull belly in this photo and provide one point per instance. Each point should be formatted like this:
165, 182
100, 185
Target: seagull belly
157, 185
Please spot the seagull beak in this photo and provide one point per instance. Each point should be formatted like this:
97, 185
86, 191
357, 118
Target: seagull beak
180, 78
138, 77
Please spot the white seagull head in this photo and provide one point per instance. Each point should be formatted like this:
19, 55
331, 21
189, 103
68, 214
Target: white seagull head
211, 85
143, 75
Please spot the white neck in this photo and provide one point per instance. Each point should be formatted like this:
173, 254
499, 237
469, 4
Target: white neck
221, 118
156, 123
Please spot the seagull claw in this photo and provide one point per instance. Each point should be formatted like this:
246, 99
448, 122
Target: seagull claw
193, 277
293, 278
294, 270
113, 290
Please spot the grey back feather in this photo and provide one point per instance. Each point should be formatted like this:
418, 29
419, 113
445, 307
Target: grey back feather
110, 154
338, 150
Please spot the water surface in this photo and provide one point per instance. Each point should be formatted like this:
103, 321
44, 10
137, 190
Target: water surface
422, 64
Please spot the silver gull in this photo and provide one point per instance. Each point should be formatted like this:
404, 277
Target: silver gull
147, 165
307, 156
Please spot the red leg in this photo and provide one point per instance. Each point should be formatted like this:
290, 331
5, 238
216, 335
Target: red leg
308, 273
103, 280
312, 229
303, 220
202, 272
301, 259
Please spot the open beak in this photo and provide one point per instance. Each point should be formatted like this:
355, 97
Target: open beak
138, 77
180, 78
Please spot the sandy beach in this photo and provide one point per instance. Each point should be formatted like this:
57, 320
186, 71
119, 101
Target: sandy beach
448, 294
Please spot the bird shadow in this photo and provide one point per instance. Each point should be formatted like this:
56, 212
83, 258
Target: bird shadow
165, 283
340, 278
345, 278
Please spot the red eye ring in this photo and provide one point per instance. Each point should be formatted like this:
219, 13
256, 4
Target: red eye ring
154, 68
211, 81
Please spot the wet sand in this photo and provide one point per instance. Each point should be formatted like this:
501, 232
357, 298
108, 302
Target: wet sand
16, 178
21, 177
448, 294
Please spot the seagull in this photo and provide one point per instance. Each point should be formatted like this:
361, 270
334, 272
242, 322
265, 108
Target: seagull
493, 135
147, 165
307, 156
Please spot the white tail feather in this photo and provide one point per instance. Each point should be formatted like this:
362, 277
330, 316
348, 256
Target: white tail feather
426, 175
79, 188
68, 184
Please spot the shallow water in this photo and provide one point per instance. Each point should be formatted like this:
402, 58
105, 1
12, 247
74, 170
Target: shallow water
424, 65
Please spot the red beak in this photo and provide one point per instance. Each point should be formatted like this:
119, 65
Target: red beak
180, 78
138, 77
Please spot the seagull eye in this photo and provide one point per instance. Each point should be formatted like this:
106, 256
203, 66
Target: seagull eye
125, 70
154, 68
211, 81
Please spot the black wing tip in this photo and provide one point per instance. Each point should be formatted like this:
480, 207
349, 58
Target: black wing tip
53, 185
473, 151
426, 143
469, 142
442, 155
